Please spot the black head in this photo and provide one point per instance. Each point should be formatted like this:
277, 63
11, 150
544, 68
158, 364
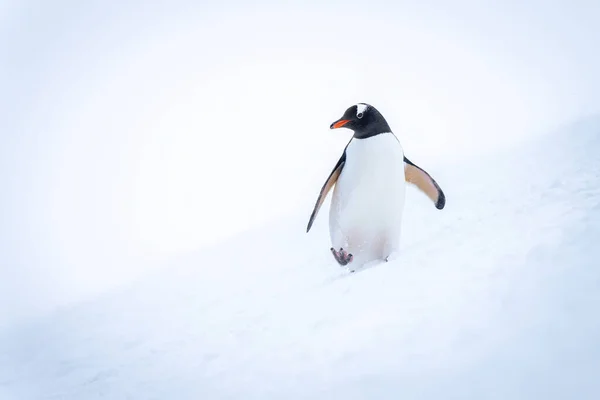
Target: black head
364, 120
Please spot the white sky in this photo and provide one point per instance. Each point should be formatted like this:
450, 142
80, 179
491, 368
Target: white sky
133, 132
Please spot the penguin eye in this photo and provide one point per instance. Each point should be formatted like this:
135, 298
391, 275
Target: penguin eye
359, 115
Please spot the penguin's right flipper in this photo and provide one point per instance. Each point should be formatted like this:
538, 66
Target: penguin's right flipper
331, 180
421, 179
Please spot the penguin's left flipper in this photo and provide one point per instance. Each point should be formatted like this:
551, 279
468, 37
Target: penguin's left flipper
421, 179
331, 180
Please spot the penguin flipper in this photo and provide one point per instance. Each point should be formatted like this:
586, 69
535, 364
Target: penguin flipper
422, 180
329, 183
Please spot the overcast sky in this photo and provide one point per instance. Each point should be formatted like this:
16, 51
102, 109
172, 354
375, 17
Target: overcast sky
133, 131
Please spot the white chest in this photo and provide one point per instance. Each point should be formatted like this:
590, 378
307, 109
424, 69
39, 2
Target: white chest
368, 199
373, 173
370, 190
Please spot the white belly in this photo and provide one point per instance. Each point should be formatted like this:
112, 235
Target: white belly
368, 199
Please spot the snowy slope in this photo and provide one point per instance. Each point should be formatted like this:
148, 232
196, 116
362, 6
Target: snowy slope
495, 297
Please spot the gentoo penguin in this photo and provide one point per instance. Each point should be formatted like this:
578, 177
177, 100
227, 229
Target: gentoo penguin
368, 200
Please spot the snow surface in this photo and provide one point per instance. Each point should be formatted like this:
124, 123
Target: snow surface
495, 297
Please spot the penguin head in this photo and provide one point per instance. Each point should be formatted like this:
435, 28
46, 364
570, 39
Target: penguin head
364, 119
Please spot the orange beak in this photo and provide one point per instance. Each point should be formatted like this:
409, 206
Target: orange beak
339, 124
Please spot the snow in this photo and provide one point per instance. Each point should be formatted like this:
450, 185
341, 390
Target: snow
494, 297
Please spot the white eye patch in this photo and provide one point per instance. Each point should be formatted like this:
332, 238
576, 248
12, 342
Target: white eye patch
360, 110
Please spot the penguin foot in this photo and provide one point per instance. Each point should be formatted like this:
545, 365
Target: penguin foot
342, 257
391, 257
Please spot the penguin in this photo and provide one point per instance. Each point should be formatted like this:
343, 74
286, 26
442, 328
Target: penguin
369, 190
